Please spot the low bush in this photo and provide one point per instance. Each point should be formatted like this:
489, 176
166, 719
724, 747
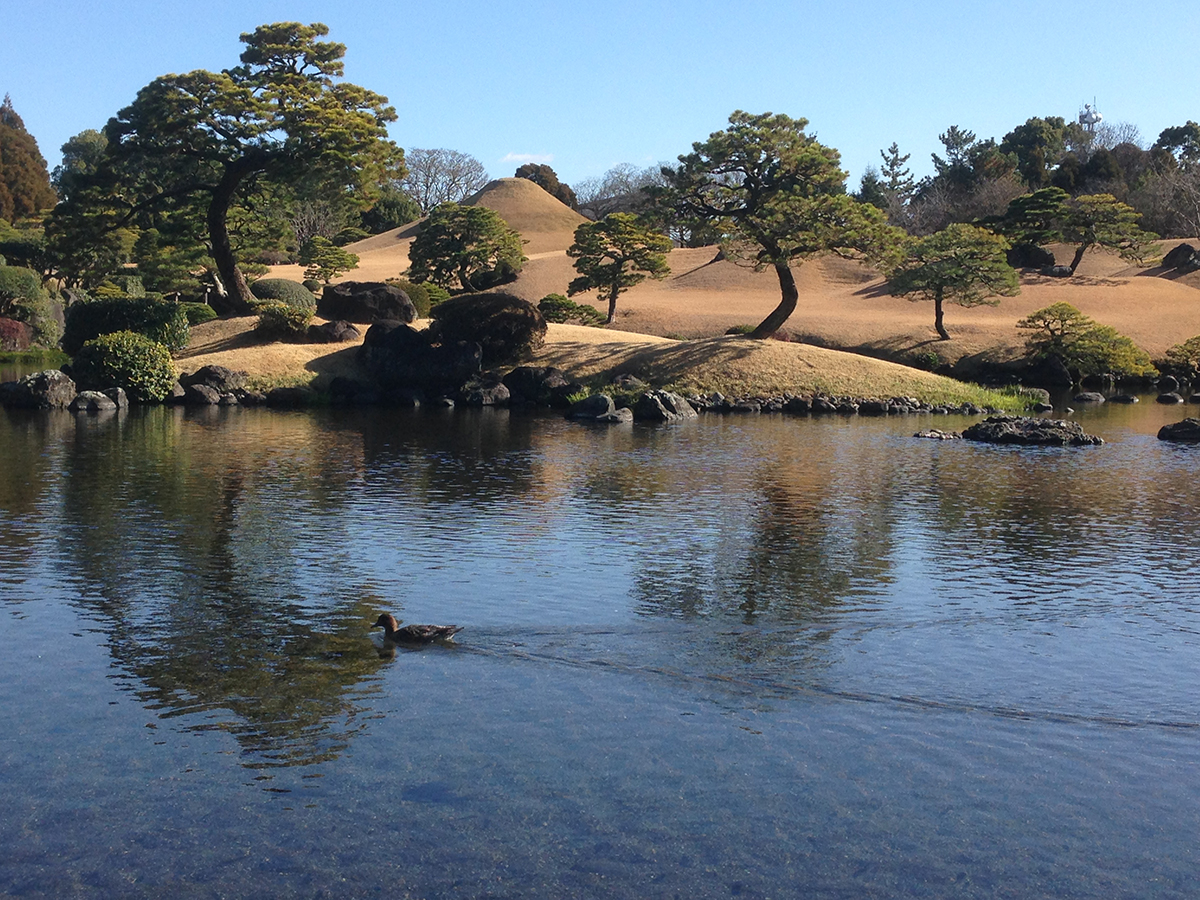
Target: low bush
1183, 360
285, 291
280, 322
198, 313
23, 298
128, 360
159, 320
557, 308
1084, 346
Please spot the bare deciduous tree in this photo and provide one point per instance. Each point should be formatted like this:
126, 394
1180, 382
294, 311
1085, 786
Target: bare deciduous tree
442, 176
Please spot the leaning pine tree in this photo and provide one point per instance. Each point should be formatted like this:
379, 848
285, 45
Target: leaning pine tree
777, 196
202, 144
960, 264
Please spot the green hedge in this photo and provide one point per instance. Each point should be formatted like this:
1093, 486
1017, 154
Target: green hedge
280, 322
126, 360
285, 291
160, 320
198, 313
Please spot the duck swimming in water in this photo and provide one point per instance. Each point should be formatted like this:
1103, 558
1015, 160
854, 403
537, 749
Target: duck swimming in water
414, 634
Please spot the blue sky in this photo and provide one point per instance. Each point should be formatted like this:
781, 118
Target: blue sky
584, 86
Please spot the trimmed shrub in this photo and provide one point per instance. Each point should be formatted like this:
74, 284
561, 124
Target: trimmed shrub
279, 322
557, 308
424, 296
159, 320
313, 285
506, 327
126, 360
1084, 346
285, 291
18, 284
198, 313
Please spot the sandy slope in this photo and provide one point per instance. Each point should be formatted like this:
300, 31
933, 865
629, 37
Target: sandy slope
842, 304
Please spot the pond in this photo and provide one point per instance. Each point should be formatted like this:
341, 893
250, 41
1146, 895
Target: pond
746, 656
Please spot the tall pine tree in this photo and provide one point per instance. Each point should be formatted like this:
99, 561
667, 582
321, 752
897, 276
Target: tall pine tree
24, 181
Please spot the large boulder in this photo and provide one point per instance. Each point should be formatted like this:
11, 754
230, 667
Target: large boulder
365, 302
398, 356
592, 408
50, 389
219, 378
1179, 257
535, 385
1186, 432
662, 406
92, 402
507, 328
336, 332
1006, 429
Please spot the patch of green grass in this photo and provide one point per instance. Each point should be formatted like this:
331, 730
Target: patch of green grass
38, 356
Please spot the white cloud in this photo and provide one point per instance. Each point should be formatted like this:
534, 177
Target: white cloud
520, 158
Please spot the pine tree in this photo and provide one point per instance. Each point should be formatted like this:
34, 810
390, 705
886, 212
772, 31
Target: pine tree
24, 181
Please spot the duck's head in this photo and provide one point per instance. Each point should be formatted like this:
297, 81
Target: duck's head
386, 622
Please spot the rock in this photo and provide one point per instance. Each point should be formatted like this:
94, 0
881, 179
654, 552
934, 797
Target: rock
534, 385
937, 435
1123, 398
1168, 384
336, 332
92, 402
1168, 398
591, 407
219, 378
252, 398
663, 406
746, 407
15, 335
847, 408
117, 396
1039, 395
348, 392
1042, 407
823, 405
50, 389
1057, 271
485, 395
1179, 256
1050, 372
398, 356
365, 302
290, 397
1089, 397
622, 416
1194, 398
201, 395
1004, 429
1103, 382
1186, 432
228, 400
627, 382
873, 408
800, 406
1029, 256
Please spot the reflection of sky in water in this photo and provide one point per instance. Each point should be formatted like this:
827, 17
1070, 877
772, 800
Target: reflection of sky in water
713, 660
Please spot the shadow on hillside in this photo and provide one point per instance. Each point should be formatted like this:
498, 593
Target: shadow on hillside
232, 342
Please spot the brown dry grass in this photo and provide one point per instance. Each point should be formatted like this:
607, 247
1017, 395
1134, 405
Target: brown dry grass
842, 305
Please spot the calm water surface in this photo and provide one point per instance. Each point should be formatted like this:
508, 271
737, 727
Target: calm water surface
758, 657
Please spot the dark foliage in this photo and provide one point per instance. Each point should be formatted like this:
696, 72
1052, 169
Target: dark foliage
506, 327
158, 320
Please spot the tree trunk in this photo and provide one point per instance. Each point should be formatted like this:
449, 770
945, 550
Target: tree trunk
1078, 257
938, 317
239, 295
787, 306
612, 303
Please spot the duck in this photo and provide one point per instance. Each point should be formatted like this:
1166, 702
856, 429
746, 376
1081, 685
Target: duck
414, 634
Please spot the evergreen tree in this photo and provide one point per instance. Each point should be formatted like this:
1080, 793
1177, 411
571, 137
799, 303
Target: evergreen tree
778, 196
897, 179
547, 179
468, 244
24, 182
614, 254
204, 144
961, 264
